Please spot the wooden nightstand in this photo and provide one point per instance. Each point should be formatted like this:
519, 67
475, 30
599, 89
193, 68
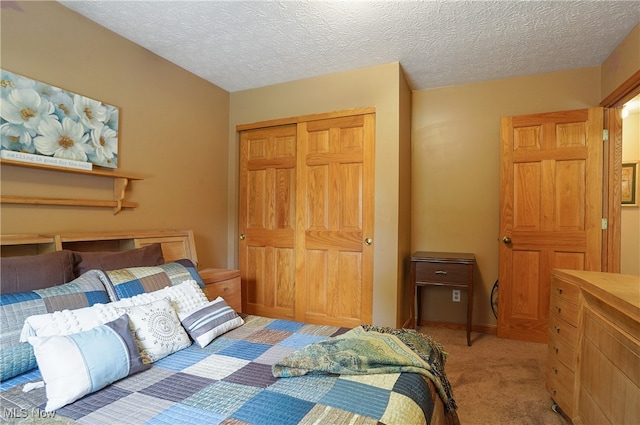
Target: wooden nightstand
223, 283
443, 269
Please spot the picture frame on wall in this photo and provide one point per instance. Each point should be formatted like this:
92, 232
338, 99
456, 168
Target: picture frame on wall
629, 182
48, 125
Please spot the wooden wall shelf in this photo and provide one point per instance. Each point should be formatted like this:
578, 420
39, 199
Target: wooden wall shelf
120, 183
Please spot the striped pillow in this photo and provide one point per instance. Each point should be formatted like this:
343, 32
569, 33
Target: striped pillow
75, 365
210, 321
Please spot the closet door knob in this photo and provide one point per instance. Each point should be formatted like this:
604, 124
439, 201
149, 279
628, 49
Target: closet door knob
506, 240
242, 236
368, 241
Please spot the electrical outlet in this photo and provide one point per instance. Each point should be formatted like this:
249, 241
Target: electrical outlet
455, 295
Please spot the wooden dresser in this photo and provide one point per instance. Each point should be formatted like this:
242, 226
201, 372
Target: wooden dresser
593, 367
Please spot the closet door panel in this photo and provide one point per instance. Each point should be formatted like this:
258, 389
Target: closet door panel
334, 216
267, 220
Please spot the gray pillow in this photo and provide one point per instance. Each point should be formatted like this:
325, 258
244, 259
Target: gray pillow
31, 272
149, 255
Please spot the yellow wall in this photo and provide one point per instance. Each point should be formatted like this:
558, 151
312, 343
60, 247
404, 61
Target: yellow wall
622, 63
405, 291
630, 220
455, 170
377, 86
173, 131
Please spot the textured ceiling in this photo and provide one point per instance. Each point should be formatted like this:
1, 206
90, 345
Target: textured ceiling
239, 45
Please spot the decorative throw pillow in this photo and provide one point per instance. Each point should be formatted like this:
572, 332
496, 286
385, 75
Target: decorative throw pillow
210, 321
75, 365
157, 329
184, 298
149, 255
31, 272
16, 356
128, 282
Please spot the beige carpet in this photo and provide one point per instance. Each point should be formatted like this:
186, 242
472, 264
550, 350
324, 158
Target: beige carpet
496, 381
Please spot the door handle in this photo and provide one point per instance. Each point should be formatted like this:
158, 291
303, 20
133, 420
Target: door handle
506, 240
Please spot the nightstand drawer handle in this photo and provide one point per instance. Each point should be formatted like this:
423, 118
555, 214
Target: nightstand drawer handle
441, 272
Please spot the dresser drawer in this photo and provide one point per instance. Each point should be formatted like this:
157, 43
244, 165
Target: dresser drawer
563, 330
564, 310
561, 391
565, 291
562, 352
442, 272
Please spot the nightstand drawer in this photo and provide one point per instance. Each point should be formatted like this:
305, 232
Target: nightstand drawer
229, 290
442, 273
223, 283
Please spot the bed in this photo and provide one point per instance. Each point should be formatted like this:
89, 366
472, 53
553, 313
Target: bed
238, 369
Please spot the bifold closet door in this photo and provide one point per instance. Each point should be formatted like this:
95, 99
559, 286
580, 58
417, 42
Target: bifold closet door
334, 221
267, 220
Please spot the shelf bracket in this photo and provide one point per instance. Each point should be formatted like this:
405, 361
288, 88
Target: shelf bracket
119, 186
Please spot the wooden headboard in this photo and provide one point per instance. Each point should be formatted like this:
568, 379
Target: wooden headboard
176, 244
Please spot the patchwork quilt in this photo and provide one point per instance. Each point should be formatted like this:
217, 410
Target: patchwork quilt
230, 381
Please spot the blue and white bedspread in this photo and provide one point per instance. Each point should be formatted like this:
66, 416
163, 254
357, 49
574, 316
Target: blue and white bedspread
230, 381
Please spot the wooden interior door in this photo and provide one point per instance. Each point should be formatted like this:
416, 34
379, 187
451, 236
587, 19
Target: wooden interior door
334, 223
267, 220
550, 211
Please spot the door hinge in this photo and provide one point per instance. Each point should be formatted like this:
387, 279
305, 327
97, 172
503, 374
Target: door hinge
605, 135
605, 224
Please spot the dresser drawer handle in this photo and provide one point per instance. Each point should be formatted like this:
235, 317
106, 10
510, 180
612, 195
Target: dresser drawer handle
559, 290
556, 349
441, 272
555, 370
557, 329
554, 391
558, 309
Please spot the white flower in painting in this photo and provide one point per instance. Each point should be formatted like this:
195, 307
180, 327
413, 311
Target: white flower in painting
16, 138
92, 113
105, 143
66, 140
12, 81
26, 107
63, 104
112, 117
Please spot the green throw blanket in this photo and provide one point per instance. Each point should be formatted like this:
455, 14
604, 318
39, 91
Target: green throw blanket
371, 350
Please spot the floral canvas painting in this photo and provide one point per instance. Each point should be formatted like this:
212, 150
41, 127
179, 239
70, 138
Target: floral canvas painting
40, 119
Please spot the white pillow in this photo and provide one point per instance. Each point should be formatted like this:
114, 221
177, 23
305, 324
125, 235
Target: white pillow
186, 297
75, 365
157, 329
210, 321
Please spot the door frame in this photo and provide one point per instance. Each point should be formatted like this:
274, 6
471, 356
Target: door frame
612, 163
